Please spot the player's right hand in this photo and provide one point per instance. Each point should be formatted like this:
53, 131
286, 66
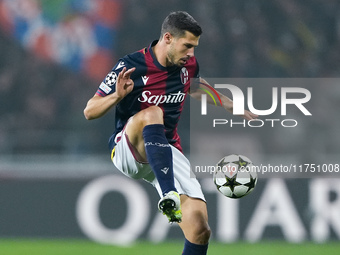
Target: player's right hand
124, 83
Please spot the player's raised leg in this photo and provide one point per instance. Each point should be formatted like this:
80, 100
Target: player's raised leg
146, 134
195, 226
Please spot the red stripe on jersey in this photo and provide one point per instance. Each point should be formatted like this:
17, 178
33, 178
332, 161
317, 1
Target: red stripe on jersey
164, 87
100, 93
176, 136
191, 67
154, 82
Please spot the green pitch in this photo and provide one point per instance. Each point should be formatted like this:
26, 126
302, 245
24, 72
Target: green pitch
77, 247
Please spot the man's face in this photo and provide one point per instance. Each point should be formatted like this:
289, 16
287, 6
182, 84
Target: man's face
181, 49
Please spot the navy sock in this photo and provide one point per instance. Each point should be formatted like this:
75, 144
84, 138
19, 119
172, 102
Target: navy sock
159, 155
194, 249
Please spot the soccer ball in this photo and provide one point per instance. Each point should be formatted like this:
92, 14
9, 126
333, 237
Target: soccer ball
235, 176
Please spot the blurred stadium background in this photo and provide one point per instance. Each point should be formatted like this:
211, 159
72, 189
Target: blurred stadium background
56, 179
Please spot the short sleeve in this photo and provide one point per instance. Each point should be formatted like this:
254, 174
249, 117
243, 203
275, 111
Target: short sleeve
108, 85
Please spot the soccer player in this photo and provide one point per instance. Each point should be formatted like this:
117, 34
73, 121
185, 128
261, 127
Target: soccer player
148, 89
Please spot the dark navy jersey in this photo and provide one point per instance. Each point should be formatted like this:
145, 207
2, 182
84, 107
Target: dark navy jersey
154, 84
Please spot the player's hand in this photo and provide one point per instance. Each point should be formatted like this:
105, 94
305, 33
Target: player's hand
228, 105
124, 83
249, 115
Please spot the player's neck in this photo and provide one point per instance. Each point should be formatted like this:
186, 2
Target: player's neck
160, 53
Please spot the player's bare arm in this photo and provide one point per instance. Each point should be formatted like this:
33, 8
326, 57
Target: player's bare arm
97, 106
226, 101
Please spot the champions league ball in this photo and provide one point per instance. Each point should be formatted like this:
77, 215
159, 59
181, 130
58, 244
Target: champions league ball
235, 176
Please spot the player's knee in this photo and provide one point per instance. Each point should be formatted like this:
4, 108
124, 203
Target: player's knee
153, 115
200, 232
203, 233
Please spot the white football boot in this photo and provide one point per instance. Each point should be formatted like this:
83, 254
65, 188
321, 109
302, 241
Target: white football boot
170, 205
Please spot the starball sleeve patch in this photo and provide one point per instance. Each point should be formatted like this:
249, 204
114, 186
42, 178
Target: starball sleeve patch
111, 79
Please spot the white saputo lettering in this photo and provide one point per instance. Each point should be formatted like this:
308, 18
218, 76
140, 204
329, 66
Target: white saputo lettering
171, 98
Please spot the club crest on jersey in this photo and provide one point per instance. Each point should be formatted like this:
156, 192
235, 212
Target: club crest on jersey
111, 79
184, 75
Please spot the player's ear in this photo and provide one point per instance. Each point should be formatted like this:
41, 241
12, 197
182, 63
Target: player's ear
167, 37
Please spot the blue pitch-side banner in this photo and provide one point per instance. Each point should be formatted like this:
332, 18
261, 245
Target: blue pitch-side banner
114, 209
78, 34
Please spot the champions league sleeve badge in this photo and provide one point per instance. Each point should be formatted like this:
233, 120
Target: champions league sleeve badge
111, 79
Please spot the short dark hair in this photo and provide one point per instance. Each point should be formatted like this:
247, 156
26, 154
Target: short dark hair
176, 23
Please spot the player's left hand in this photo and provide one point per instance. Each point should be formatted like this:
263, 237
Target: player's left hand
228, 105
249, 115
